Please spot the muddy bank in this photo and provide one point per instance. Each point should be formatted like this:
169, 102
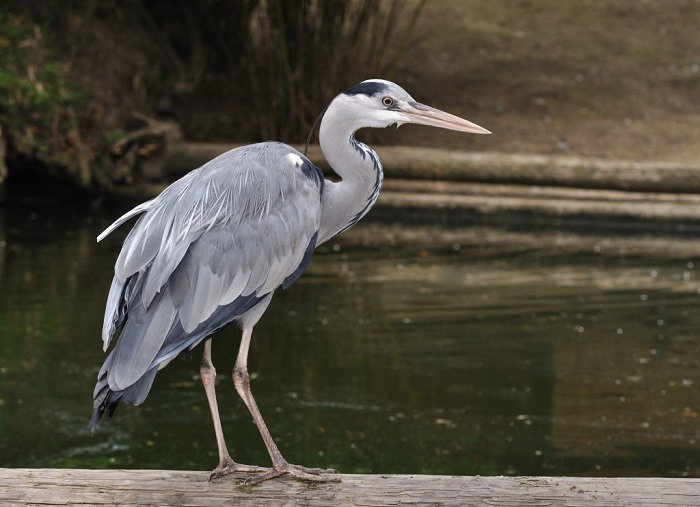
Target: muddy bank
96, 95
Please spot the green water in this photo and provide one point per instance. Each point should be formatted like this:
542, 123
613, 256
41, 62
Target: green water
394, 353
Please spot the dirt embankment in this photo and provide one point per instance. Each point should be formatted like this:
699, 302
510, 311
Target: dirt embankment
603, 79
610, 79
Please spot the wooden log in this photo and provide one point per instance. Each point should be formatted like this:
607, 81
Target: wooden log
657, 193
490, 199
163, 487
494, 199
430, 163
441, 164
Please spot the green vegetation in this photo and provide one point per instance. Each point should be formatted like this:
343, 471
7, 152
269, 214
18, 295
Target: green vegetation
39, 111
143, 61
94, 92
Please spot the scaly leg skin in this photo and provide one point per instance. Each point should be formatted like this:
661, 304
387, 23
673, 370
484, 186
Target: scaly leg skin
226, 464
241, 381
297, 471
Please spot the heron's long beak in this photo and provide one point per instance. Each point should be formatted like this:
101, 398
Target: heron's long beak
426, 115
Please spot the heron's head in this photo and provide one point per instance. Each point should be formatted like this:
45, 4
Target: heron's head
379, 103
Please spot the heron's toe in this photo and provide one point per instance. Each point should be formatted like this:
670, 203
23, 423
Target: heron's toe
229, 466
315, 471
296, 471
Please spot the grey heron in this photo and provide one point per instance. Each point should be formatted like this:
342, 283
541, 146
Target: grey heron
214, 246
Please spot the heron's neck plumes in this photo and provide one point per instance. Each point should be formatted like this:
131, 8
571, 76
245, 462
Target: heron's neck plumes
346, 201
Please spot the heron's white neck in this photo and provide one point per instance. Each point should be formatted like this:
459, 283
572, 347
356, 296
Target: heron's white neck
346, 201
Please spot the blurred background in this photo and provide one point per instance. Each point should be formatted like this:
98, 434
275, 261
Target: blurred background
91, 91
521, 303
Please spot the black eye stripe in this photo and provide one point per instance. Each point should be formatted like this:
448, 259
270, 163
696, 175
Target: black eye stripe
366, 88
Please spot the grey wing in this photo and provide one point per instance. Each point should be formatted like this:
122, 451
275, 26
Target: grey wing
218, 240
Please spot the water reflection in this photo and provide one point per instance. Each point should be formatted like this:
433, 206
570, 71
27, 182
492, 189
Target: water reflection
474, 351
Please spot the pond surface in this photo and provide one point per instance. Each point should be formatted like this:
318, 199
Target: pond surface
443, 350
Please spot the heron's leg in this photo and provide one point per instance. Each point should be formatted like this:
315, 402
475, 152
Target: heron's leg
241, 381
226, 464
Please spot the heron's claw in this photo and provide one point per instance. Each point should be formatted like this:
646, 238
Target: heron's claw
296, 471
229, 466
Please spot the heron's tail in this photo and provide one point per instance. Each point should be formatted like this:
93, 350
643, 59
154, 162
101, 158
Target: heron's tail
106, 400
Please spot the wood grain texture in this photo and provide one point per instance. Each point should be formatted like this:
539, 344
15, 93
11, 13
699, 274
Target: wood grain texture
162, 487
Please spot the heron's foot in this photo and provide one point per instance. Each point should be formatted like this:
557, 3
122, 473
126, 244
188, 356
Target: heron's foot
228, 466
296, 471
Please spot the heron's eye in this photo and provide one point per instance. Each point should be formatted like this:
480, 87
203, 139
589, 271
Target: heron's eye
387, 101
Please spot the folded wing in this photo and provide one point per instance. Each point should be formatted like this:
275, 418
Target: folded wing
206, 250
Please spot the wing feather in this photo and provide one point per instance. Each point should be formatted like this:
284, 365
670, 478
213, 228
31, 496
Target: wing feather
160, 271
138, 345
126, 216
113, 318
210, 247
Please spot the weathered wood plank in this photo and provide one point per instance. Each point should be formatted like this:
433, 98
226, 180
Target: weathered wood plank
162, 487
